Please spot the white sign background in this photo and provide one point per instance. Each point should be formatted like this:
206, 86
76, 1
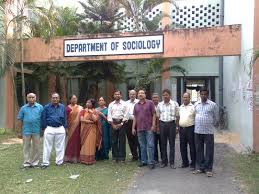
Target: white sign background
114, 46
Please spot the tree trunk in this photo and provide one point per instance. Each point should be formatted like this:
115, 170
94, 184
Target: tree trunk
51, 85
63, 89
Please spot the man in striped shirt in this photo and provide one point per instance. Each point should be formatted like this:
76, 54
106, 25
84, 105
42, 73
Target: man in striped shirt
168, 114
206, 121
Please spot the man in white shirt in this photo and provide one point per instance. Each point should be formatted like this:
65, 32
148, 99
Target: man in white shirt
132, 139
117, 117
168, 114
186, 123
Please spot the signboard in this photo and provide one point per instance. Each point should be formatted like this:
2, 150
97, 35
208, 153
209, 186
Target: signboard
128, 45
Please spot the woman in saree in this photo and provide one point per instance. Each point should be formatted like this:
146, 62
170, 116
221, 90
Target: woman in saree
103, 153
90, 133
73, 110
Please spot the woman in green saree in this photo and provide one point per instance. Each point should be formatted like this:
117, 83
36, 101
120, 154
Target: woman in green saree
103, 153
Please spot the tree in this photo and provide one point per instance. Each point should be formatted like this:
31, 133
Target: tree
99, 16
138, 11
7, 55
153, 72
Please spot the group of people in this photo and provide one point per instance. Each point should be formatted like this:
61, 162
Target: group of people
87, 134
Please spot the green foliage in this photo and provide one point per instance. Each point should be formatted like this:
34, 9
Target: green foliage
247, 169
7, 47
102, 70
99, 16
153, 72
138, 11
67, 21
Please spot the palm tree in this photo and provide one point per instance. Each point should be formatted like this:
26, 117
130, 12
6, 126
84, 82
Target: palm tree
138, 11
99, 16
7, 55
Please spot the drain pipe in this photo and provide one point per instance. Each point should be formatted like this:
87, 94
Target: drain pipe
221, 102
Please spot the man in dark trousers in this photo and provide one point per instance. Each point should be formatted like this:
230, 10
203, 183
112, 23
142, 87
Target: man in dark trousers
206, 121
186, 123
157, 141
117, 117
132, 139
168, 114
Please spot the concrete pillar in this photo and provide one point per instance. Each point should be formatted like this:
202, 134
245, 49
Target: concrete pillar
166, 21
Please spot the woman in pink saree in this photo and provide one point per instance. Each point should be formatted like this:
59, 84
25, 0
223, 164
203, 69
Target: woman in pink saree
73, 110
91, 135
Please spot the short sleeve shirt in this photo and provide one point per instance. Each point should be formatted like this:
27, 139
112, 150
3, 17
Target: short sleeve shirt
31, 119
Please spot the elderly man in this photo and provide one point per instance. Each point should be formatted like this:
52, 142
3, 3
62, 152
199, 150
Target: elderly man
132, 139
206, 121
168, 114
144, 124
30, 120
54, 123
117, 117
186, 123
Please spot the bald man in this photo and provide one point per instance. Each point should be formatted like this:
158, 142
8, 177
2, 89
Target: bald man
186, 123
29, 117
132, 139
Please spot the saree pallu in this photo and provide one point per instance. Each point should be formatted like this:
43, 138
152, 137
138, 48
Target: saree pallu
103, 153
90, 137
72, 153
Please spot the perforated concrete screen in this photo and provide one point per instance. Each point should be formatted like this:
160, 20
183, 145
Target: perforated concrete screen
189, 14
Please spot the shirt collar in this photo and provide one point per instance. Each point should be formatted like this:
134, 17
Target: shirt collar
190, 104
207, 102
170, 102
139, 102
28, 105
135, 100
53, 105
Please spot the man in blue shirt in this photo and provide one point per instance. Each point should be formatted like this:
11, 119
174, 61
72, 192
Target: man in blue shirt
54, 123
30, 120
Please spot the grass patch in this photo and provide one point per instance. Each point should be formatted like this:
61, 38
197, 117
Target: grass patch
247, 168
102, 177
5, 134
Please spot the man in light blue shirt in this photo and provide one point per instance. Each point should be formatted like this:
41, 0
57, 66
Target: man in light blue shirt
30, 120
206, 121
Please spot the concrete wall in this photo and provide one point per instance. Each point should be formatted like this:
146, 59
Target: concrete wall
198, 66
237, 95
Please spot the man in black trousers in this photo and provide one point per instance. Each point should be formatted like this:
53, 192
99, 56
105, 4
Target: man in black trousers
168, 114
186, 123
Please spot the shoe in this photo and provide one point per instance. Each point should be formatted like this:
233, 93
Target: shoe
151, 166
198, 171
209, 174
163, 165
60, 164
115, 161
35, 166
172, 166
192, 167
184, 166
142, 164
43, 167
25, 167
134, 159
